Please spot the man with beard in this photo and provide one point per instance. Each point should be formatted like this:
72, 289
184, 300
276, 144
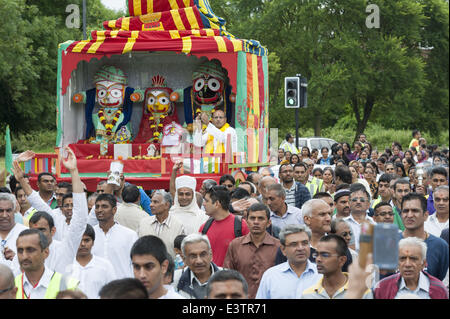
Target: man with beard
185, 207
296, 193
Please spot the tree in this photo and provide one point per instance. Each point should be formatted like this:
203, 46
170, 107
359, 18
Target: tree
375, 74
28, 57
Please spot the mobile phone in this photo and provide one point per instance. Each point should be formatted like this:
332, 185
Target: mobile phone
385, 246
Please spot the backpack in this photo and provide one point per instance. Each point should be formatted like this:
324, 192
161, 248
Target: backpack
237, 226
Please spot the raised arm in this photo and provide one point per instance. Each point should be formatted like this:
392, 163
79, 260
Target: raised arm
176, 167
71, 164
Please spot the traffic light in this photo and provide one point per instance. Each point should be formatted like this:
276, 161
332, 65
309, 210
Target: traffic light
291, 92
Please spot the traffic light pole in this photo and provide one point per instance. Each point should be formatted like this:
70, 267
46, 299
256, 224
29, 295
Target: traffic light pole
296, 128
296, 119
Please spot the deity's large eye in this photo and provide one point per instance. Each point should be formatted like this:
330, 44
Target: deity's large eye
164, 100
101, 93
199, 84
151, 100
116, 93
214, 85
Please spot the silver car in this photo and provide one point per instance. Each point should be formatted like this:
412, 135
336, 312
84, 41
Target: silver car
315, 142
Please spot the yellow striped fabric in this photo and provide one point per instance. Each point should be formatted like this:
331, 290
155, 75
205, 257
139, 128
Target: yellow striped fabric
237, 44
114, 33
187, 45
149, 6
130, 43
80, 45
209, 32
173, 4
191, 18
125, 24
112, 24
137, 8
196, 33
187, 3
174, 34
177, 19
100, 39
221, 44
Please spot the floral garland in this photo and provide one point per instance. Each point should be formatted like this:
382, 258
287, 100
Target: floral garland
109, 126
157, 126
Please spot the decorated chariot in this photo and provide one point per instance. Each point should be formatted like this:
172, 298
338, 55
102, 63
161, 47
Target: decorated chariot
136, 91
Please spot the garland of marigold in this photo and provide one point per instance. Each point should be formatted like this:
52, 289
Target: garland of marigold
109, 126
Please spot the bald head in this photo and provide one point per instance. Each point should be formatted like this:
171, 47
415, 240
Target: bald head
7, 282
265, 182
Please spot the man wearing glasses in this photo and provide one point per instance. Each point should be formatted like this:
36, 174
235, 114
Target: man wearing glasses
359, 206
289, 279
8, 288
330, 256
383, 213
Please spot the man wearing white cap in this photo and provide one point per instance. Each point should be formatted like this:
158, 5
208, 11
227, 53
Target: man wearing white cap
185, 206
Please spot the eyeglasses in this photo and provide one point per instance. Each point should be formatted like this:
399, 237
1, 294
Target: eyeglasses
323, 255
361, 199
345, 234
3, 244
6, 290
385, 213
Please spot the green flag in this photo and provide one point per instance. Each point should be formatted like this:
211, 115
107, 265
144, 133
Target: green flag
8, 152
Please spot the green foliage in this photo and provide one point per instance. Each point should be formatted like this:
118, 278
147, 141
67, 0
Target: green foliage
42, 141
363, 75
28, 58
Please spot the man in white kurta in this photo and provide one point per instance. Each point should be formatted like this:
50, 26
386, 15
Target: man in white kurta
61, 253
112, 240
190, 215
93, 272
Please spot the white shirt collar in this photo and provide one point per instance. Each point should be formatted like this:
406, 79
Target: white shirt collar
43, 282
424, 284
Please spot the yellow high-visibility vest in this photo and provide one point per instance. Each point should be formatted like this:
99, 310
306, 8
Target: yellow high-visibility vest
57, 283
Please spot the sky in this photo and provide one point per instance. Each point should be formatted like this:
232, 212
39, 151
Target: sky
114, 4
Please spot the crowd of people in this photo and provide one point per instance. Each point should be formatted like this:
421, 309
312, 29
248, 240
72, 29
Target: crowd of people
287, 231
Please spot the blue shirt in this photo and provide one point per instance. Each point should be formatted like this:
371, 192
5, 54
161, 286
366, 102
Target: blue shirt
281, 282
323, 161
145, 201
293, 215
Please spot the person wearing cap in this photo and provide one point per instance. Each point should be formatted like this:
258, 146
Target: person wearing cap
288, 144
185, 207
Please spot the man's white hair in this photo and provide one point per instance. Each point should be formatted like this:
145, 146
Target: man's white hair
308, 206
194, 238
9, 197
414, 241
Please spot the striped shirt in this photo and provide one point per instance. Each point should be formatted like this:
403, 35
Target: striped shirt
290, 195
